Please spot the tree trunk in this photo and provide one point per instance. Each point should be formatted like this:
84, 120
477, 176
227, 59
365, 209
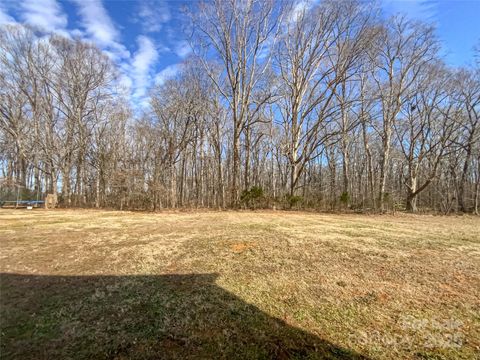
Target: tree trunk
221, 187
247, 159
370, 178
293, 178
411, 201
173, 185
235, 167
477, 188
97, 191
383, 173
346, 179
463, 179
66, 189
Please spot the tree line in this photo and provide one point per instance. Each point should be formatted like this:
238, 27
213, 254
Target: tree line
328, 106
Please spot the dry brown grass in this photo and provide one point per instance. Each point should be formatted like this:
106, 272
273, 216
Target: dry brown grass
345, 286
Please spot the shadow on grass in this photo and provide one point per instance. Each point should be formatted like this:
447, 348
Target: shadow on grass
143, 317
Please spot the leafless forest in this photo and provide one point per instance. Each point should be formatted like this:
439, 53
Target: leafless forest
329, 107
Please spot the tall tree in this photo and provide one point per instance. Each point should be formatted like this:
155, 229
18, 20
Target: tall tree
238, 34
402, 50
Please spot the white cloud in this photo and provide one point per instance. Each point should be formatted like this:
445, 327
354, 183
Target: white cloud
152, 15
100, 27
77, 33
299, 9
183, 49
167, 73
125, 83
44, 14
97, 22
142, 63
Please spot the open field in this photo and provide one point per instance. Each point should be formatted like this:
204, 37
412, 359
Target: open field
101, 284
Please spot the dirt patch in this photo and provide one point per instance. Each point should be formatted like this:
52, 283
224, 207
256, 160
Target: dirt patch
241, 247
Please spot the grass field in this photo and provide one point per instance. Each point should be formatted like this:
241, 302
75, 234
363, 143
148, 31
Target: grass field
238, 285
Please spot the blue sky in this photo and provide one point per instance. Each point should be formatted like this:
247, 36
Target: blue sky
146, 40
457, 23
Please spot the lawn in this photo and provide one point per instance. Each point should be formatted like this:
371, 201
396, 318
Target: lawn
238, 285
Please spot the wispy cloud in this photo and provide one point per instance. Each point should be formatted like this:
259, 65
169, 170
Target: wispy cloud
143, 63
415, 9
182, 49
299, 9
100, 28
152, 15
167, 73
97, 22
44, 14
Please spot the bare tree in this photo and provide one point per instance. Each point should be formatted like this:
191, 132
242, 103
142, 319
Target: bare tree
402, 50
316, 56
468, 95
238, 34
424, 129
